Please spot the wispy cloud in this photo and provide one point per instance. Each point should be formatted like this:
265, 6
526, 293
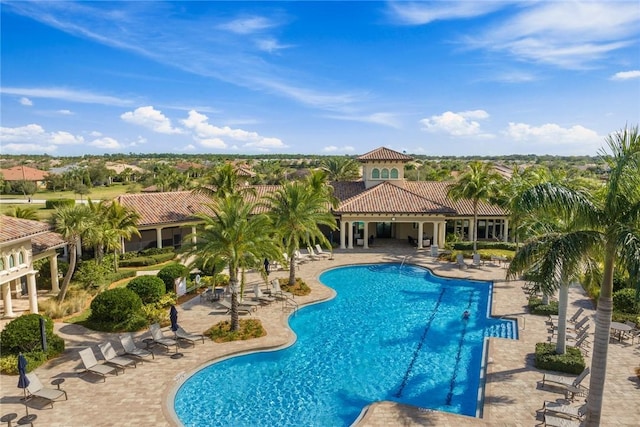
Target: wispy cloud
26, 102
626, 75
460, 124
384, 119
70, 95
248, 25
420, 13
335, 149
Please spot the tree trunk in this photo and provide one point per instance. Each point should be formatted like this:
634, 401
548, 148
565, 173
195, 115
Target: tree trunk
601, 342
235, 321
72, 266
475, 227
563, 300
292, 269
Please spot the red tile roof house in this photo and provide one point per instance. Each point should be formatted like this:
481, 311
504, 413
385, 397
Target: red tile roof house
381, 205
25, 173
22, 242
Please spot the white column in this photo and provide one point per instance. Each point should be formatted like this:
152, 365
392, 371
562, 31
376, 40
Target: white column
436, 236
350, 231
420, 232
53, 262
472, 230
343, 230
159, 237
122, 246
6, 299
79, 247
505, 230
33, 292
365, 232
194, 239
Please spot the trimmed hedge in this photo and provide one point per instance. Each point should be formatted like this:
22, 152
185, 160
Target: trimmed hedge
149, 288
468, 246
546, 358
170, 273
536, 307
142, 261
114, 277
624, 301
55, 203
115, 306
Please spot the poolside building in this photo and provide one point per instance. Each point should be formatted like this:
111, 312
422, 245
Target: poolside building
381, 205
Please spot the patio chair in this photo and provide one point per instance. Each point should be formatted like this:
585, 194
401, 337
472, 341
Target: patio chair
91, 364
260, 297
322, 252
181, 334
112, 357
577, 327
311, 254
36, 389
241, 308
554, 408
460, 261
553, 318
131, 349
159, 338
278, 292
633, 333
554, 421
301, 258
564, 381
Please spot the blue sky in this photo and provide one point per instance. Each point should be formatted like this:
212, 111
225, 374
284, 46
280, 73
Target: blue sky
435, 78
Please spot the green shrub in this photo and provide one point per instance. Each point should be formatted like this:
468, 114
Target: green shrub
546, 358
73, 303
148, 288
23, 335
249, 328
9, 362
536, 307
170, 273
114, 277
157, 251
55, 203
143, 261
468, 246
92, 274
115, 306
43, 266
624, 301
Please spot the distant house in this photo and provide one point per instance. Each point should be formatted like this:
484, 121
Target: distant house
25, 173
22, 242
382, 205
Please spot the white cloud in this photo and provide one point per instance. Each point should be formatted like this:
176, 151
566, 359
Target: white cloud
385, 119
65, 112
552, 134
212, 136
333, 149
150, 118
463, 123
66, 95
65, 138
28, 148
189, 147
270, 45
106, 143
248, 25
564, 34
412, 13
626, 75
35, 134
26, 101
95, 133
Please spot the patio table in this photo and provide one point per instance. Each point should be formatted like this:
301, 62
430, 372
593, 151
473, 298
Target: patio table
620, 328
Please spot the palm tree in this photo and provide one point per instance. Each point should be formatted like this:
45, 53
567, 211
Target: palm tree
608, 221
71, 222
223, 182
122, 224
232, 233
480, 183
23, 213
297, 211
341, 168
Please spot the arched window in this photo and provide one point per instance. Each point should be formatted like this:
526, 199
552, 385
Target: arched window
375, 173
394, 173
385, 173
12, 261
21, 258
1, 263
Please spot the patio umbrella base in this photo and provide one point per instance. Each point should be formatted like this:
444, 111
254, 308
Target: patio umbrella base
176, 355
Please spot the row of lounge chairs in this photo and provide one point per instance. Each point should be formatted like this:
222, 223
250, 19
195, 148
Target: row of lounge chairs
560, 414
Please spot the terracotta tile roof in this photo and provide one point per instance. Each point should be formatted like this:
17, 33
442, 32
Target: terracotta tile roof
20, 173
393, 199
384, 153
45, 241
164, 208
16, 228
437, 191
344, 190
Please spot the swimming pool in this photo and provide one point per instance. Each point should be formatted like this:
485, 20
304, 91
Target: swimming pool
392, 333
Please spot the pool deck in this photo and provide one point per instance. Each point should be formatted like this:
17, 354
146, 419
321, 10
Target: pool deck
140, 396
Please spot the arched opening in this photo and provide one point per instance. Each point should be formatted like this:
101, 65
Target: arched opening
375, 173
385, 173
394, 173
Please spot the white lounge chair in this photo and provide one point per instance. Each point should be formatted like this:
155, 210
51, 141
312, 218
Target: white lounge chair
563, 380
311, 254
301, 258
159, 338
553, 318
321, 252
36, 389
91, 364
460, 261
278, 292
181, 334
241, 308
554, 421
131, 349
112, 357
553, 408
259, 296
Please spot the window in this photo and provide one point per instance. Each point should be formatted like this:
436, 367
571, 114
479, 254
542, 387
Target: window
394, 173
375, 173
12, 261
1, 263
385, 173
21, 258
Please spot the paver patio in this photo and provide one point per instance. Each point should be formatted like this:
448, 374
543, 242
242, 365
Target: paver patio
142, 396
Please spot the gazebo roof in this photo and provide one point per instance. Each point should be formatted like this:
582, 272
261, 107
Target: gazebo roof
384, 153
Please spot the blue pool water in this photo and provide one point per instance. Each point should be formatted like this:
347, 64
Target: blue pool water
392, 333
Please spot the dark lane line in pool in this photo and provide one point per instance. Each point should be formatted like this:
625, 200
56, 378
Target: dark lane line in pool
405, 379
452, 383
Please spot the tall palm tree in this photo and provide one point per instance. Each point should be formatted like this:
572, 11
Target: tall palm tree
72, 222
297, 211
341, 168
480, 183
610, 222
232, 233
122, 222
223, 182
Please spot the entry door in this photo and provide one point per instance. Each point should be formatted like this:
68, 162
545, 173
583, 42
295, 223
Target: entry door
383, 229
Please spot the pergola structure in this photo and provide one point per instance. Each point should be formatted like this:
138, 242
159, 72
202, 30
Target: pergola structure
22, 242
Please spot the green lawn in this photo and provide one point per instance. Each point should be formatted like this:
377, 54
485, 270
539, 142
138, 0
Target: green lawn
97, 193
42, 213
